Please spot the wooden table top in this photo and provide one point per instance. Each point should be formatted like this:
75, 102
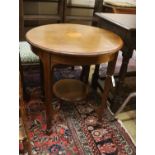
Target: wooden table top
121, 4
74, 39
127, 21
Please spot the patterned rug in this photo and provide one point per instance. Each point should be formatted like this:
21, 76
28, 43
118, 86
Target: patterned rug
77, 131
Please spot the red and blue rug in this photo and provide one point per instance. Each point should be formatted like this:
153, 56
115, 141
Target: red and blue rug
77, 132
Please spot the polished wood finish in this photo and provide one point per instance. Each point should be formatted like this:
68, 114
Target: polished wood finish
122, 10
71, 44
125, 26
70, 90
119, 9
74, 39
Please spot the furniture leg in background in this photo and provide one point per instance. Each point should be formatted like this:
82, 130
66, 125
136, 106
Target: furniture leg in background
95, 77
85, 73
124, 25
116, 100
22, 79
24, 134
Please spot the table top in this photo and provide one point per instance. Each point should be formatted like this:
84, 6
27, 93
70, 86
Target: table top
74, 39
127, 21
122, 4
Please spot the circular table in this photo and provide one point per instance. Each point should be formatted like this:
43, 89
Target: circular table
73, 44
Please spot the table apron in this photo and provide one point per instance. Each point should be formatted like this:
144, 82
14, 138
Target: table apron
74, 60
81, 60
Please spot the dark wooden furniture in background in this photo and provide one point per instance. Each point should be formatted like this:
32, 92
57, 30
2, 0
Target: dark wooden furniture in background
72, 44
125, 26
96, 7
59, 17
28, 21
21, 21
75, 18
101, 6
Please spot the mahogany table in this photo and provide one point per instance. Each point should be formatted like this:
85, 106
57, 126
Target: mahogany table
73, 44
125, 26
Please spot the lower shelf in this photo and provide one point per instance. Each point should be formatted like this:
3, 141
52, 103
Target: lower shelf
70, 90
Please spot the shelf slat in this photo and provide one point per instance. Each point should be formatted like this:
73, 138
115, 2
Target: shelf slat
54, 1
42, 17
85, 18
80, 6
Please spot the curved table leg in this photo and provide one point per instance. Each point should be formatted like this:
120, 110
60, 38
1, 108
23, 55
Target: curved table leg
46, 61
107, 86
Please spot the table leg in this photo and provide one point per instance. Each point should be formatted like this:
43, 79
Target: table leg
95, 77
85, 73
107, 86
24, 120
46, 60
22, 78
42, 77
124, 66
117, 100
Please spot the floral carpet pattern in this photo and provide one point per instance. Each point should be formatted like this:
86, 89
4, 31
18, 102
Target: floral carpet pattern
77, 131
